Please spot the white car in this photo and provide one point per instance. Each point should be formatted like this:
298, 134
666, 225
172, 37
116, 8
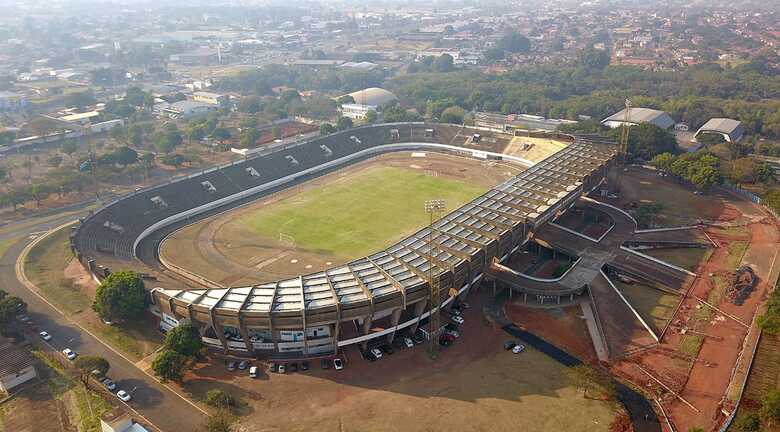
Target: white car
518, 349
458, 319
253, 372
338, 364
70, 354
454, 333
376, 352
123, 396
45, 336
408, 342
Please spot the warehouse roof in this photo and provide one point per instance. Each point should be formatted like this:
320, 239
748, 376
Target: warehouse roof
13, 359
726, 126
641, 115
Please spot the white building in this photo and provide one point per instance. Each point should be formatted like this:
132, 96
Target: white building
187, 109
211, 98
370, 99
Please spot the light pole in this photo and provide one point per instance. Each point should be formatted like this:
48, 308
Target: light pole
434, 208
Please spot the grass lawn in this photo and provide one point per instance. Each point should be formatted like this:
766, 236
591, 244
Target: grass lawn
687, 258
359, 214
736, 250
44, 267
655, 306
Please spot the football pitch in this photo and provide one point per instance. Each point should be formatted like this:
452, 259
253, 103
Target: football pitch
355, 215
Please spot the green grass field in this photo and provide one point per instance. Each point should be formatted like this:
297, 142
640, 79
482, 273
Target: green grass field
357, 215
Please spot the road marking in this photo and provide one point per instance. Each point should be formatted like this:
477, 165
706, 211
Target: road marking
20, 275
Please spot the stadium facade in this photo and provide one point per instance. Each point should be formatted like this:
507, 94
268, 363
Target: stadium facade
362, 301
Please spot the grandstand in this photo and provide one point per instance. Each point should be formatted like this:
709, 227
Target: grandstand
315, 314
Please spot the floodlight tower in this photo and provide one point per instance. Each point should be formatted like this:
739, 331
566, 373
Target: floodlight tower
622, 155
434, 208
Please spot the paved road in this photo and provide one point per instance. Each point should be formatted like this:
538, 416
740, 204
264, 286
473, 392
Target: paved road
154, 401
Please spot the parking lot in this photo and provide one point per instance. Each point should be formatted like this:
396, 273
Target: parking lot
475, 384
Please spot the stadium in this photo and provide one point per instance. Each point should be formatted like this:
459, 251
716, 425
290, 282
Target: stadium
375, 296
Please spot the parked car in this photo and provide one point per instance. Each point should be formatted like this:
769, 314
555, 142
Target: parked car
387, 349
293, 367
408, 342
376, 352
455, 311
451, 326
368, 355
304, 366
231, 366
23, 318
447, 336
45, 336
110, 385
253, 372
123, 396
273, 367
243, 364
458, 319
70, 354
518, 349
508, 345
454, 333
445, 342
282, 369
464, 305
338, 364
325, 364
418, 338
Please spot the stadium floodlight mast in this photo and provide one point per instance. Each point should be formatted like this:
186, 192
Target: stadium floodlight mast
434, 208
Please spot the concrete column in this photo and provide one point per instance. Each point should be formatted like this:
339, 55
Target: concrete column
394, 322
245, 334
419, 308
336, 333
366, 328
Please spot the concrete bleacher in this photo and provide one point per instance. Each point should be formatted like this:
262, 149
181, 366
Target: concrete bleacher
137, 212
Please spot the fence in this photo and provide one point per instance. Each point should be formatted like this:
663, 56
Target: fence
750, 196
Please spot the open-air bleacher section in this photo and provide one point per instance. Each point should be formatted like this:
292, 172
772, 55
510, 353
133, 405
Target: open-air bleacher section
138, 211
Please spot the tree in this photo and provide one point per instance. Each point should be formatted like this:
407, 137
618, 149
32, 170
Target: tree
219, 399
514, 43
125, 156
184, 339
494, 54
749, 422
10, 308
343, 123
135, 96
695, 429
249, 137
85, 364
69, 147
371, 117
327, 129
453, 114
444, 63
135, 134
80, 99
663, 161
120, 296
118, 133
770, 408
221, 421
220, 134
646, 140
41, 126
594, 59
170, 366
591, 379
645, 213
346, 99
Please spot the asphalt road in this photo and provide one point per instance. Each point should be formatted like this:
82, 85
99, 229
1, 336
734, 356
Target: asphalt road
155, 402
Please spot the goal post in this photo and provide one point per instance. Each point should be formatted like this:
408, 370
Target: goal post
286, 240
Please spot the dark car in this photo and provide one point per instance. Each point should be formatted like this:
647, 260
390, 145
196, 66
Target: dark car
304, 366
508, 345
325, 364
451, 326
445, 342
387, 349
447, 336
293, 367
418, 338
273, 367
368, 355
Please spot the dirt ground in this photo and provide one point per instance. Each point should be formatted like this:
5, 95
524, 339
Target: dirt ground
698, 366
23, 413
474, 386
208, 245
